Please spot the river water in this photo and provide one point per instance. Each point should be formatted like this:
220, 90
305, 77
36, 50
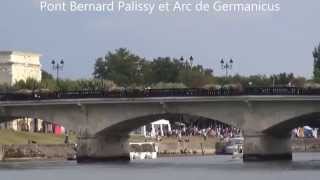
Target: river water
305, 166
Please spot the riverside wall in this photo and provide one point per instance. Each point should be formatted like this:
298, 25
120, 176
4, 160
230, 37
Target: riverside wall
166, 148
36, 152
306, 145
197, 147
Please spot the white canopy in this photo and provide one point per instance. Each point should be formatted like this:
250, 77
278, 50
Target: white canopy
162, 121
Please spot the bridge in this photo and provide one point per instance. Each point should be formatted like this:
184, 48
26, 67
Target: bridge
103, 120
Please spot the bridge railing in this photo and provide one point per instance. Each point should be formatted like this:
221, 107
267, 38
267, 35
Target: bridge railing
136, 93
294, 91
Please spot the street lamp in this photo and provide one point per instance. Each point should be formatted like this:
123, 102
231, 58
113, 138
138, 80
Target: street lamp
181, 59
273, 80
315, 55
57, 66
191, 59
225, 65
139, 72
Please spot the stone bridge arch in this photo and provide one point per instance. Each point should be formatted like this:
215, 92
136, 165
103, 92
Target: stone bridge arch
123, 128
268, 138
284, 128
111, 143
133, 115
110, 139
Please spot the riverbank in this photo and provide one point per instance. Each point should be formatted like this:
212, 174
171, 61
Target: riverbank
8, 136
171, 146
168, 146
306, 145
18, 145
196, 145
37, 152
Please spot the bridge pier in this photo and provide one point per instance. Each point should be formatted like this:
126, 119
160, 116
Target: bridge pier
102, 149
265, 147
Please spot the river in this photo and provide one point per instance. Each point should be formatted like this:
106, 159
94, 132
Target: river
305, 166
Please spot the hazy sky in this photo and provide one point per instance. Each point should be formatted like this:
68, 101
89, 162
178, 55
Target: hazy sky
262, 43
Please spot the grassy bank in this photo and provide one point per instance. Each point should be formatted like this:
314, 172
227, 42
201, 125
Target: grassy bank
15, 137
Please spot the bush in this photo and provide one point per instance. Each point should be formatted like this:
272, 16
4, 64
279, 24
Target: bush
220, 147
162, 85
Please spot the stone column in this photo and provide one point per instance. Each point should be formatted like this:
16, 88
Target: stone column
265, 147
102, 148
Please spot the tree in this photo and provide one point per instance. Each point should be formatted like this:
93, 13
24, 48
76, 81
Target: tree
121, 66
195, 79
164, 70
100, 68
283, 79
316, 64
48, 81
127, 69
162, 85
45, 75
30, 84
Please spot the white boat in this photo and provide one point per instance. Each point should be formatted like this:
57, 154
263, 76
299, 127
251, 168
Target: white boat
144, 150
234, 146
238, 154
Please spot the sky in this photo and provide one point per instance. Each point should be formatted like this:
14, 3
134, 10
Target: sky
259, 43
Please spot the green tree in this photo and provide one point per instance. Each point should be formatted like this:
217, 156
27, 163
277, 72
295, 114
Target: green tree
45, 75
100, 68
194, 78
127, 69
121, 66
164, 70
282, 79
30, 84
162, 85
316, 64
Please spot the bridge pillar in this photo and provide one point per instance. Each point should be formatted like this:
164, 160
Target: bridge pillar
265, 147
102, 149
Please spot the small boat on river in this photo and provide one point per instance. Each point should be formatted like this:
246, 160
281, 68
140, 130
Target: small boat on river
144, 150
234, 147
